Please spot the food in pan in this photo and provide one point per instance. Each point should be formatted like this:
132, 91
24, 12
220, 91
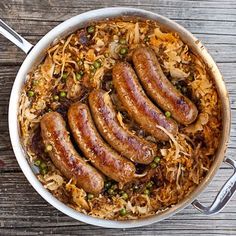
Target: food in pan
120, 120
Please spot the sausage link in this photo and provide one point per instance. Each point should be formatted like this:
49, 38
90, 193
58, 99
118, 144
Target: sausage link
160, 89
122, 140
137, 104
94, 148
65, 157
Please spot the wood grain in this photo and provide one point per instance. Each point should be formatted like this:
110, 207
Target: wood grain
22, 210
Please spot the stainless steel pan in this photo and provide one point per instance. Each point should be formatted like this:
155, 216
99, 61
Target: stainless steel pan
35, 55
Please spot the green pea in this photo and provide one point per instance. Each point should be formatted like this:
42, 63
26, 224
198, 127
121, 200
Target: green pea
123, 51
108, 184
184, 90
48, 148
153, 165
56, 97
35, 82
149, 184
167, 114
37, 162
62, 94
30, 93
92, 68
91, 29
81, 73
146, 191
125, 196
146, 39
80, 62
97, 64
78, 76
43, 165
191, 78
157, 159
123, 212
122, 41
114, 186
90, 196
111, 191
64, 76
43, 171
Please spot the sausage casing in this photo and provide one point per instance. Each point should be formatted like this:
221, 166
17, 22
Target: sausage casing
65, 157
102, 156
138, 105
160, 89
124, 141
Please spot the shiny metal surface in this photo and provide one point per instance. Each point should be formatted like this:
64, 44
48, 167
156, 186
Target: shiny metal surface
224, 195
10, 34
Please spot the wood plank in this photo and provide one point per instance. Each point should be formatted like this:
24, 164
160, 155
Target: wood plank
222, 52
174, 10
23, 208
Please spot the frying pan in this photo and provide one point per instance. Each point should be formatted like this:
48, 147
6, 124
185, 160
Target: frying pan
36, 53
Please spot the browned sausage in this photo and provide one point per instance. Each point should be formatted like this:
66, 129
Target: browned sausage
137, 104
160, 89
128, 144
65, 157
94, 148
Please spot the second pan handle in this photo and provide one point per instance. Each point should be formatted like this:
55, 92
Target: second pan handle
10, 34
223, 196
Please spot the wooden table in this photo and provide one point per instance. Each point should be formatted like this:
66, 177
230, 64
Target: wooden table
22, 210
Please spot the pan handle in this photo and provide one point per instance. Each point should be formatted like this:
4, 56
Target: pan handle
10, 34
223, 196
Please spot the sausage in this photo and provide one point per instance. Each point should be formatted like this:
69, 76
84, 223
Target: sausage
122, 140
160, 89
138, 105
65, 157
102, 156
